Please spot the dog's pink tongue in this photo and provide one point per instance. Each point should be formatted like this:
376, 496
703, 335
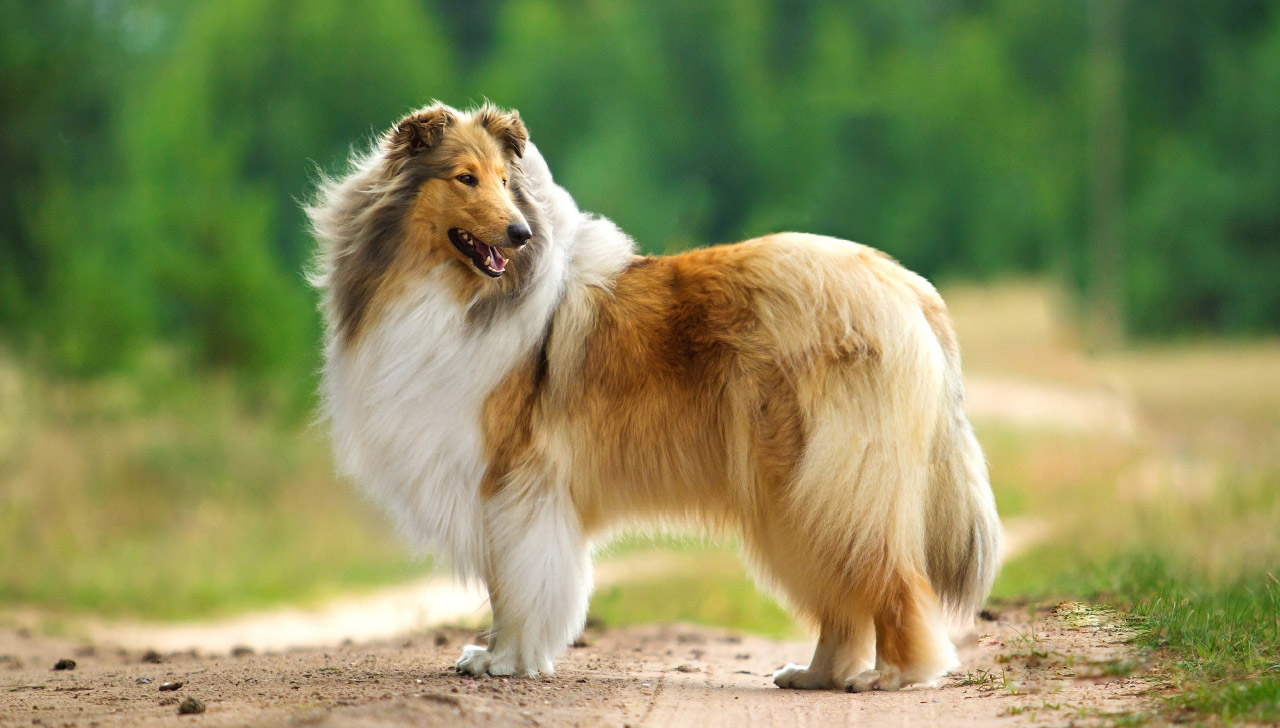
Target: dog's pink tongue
496, 261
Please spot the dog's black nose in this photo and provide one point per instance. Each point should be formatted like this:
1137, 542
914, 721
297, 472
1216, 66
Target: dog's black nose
519, 233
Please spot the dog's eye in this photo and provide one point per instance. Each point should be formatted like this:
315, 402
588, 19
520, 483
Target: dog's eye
468, 180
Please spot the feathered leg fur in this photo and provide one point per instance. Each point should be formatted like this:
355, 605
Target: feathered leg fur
538, 570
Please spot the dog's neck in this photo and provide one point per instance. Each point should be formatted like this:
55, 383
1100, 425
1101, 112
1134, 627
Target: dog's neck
585, 255
594, 251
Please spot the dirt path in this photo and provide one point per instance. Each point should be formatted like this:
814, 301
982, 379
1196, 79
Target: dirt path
1048, 666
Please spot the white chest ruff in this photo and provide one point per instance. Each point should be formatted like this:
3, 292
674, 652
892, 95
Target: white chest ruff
405, 405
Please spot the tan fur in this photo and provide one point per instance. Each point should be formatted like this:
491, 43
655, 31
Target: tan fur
691, 398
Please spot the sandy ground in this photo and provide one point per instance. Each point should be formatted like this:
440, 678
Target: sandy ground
1047, 665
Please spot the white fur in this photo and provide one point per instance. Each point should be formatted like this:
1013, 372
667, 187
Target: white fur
405, 402
539, 577
405, 407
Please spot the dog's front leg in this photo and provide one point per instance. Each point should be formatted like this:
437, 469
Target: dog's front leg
539, 577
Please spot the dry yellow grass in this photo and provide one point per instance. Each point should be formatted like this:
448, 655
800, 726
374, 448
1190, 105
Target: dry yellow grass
168, 494
1195, 477
1024, 329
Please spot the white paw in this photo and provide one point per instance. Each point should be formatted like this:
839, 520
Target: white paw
800, 677
504, 665
478, 661
887, 678
546, 667
475, 660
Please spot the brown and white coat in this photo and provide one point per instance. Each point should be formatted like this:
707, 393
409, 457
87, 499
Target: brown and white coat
801, 392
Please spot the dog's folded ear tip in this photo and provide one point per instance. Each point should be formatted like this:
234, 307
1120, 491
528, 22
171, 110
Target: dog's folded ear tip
506, 126
424, 128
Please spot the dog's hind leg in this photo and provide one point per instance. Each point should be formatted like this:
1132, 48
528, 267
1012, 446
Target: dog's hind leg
539, 576
840, 652
912, 645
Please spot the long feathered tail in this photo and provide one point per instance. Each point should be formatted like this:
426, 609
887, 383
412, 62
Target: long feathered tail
964, 537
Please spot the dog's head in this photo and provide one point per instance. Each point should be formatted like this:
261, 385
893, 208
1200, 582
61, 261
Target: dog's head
444, 195
463, 167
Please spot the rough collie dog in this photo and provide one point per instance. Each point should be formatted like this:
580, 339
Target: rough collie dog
512, 381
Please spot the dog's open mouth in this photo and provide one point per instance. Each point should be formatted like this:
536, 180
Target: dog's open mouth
483, 256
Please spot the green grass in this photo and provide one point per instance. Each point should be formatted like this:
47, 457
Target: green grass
1216, 641
1193, 578
1224, 640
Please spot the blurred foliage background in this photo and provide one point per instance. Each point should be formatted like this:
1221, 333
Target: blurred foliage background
155, 152
1096, 184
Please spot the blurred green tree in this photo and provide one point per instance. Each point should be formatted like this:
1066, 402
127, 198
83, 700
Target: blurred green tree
156, 152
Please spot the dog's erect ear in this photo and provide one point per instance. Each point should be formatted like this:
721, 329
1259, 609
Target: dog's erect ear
422, 130
506, 127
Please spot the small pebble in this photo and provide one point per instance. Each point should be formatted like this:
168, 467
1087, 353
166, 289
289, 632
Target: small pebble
687, 668
145, 680
153, 657
191, 706
169, 686
64, 664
